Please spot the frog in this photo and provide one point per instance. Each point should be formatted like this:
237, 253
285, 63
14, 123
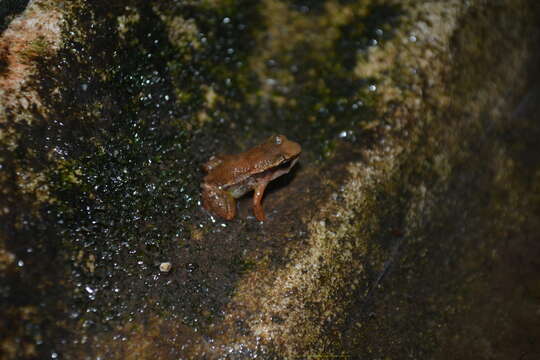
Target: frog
228, 177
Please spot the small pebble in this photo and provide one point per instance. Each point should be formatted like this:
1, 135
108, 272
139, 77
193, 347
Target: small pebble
165, 267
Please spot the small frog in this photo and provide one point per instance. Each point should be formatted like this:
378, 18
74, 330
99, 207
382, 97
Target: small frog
231, 176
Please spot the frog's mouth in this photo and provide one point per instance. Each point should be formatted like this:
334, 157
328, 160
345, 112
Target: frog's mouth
283, 168
289, 163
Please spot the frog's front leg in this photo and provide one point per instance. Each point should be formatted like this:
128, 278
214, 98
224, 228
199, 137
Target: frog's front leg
218, 202
257, 200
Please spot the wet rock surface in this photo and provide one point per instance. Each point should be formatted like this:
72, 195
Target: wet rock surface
409, 229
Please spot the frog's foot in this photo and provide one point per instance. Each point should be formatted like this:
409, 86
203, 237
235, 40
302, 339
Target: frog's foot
219, 202
257, 198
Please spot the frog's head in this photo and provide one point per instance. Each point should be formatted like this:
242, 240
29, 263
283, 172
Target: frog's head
283, 150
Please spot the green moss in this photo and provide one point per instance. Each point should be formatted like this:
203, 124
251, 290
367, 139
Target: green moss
35, 49
243, 265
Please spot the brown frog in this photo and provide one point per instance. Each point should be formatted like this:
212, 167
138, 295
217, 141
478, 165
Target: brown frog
231, 176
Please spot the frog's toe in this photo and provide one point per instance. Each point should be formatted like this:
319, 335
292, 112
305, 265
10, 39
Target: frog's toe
259, 213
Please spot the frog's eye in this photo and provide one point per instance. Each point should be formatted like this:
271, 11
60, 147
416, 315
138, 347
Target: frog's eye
278, 140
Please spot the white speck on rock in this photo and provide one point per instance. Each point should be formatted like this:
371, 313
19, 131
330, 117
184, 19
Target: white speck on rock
165, 267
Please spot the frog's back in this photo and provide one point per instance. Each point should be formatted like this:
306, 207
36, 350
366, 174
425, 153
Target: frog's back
233, 170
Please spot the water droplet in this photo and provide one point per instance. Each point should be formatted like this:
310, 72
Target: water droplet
191, 267
74, 314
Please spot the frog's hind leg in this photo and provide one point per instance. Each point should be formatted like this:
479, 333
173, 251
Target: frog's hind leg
257, 201
219, 202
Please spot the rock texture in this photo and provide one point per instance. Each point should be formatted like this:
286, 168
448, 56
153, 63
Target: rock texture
410, 228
